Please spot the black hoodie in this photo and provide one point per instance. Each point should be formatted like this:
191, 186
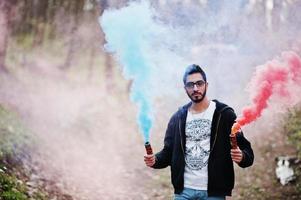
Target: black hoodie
220, 164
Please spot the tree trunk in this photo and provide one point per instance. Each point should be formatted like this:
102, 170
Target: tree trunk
76, 10
91, 63
108, 59
4, 27
40, 15
72, 47
109, 72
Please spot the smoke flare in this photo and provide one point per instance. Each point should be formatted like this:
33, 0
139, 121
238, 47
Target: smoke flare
273, 78
127, 31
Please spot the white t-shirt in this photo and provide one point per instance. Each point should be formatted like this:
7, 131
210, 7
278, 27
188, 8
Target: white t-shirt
198, 130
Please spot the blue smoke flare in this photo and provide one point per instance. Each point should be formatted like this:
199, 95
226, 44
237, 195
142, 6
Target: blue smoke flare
127, 32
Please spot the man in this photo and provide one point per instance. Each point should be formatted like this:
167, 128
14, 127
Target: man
197, 145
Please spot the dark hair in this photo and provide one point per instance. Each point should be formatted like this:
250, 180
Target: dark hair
192, 69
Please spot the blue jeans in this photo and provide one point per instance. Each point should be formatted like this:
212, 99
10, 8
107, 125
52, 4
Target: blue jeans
192, 194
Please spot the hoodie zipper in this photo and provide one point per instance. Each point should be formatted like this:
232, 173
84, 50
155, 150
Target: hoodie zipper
216, 131
181, 136
217, 126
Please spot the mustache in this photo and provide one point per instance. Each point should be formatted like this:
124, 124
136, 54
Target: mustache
194, 93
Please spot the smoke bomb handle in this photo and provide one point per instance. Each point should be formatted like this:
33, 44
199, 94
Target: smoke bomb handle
234, 130
148, 148
233, 140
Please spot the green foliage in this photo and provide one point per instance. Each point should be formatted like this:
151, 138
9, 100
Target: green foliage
293, 129
11, 188
13, 138
13, 135
13, 195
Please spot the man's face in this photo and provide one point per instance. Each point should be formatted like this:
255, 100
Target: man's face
196, 87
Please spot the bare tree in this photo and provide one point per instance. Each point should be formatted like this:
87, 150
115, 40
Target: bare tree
108, 59
6, 7
40, 11
76, 8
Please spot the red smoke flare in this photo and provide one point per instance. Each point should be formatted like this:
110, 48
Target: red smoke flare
272, 78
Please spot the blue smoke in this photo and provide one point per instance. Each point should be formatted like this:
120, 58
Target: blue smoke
127, 32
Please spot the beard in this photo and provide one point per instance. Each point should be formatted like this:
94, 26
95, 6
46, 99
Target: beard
197, 99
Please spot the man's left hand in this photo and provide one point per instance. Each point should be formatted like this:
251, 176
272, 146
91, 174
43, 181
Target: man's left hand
236, 155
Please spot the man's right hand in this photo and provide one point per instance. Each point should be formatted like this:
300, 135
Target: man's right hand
149, 160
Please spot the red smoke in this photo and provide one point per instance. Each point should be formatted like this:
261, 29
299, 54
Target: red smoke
272, 78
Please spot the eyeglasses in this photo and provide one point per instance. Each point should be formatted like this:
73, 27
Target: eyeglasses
199, 84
